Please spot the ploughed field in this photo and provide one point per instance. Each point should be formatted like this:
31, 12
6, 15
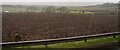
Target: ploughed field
37, 26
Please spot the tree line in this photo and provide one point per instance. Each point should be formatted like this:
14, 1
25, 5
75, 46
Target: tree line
50, 9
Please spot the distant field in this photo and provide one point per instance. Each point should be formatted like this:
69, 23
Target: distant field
86, 12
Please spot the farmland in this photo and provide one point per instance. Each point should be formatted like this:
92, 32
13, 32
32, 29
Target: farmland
37, 26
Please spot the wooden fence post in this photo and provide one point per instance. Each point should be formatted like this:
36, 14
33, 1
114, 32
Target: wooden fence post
46, 45
113, 36
85, 40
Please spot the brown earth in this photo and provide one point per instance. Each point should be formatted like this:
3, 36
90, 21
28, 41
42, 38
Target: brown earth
36, 26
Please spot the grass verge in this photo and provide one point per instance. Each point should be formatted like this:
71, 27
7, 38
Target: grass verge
77, 44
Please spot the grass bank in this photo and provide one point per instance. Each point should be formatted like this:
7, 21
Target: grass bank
78, 44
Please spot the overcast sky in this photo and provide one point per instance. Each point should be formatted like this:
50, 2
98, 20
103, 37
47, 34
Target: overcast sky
60, 0
57, 2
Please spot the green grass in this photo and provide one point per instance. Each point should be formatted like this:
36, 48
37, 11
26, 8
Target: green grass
77, 44
78, 12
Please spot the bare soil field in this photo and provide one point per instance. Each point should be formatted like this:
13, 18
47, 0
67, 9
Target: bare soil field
37, 26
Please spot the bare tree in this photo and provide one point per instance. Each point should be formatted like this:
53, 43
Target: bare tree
50, 9
63, 9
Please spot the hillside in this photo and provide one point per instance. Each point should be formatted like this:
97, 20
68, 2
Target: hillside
23, 8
